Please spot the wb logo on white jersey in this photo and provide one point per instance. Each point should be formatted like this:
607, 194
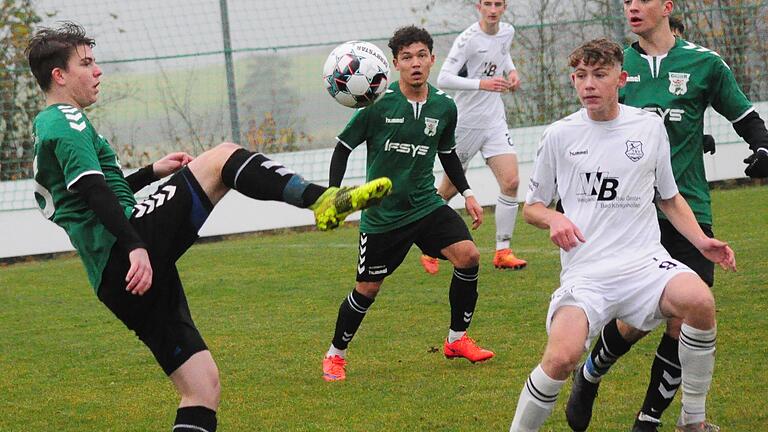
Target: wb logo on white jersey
598, 184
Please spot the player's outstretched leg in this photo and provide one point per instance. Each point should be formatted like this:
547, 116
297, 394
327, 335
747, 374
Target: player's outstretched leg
586, 378
256, 176
335, 204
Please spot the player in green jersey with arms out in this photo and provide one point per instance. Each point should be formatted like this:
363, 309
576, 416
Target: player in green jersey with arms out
677, 80
411, 124
129, 249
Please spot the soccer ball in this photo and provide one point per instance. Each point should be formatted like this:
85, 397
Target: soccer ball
356, 74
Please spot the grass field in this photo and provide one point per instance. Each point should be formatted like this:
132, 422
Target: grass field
267, 306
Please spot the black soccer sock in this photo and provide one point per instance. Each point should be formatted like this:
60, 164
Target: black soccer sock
256, 176
609, 347
195, 419
665, 378
463, 297
351, 314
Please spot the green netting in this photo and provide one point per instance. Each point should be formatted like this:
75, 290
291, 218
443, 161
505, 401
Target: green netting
165, 84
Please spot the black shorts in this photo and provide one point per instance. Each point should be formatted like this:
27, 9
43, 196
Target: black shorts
381, 253
682, 250
168, 222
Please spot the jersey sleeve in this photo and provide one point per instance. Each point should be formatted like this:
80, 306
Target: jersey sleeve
457, 57
76, 154
726, 96
542, 187
665, 179
448, 138
356, 130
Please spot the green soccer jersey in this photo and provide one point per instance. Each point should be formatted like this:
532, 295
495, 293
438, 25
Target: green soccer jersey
67, 148
403, 138
679, 86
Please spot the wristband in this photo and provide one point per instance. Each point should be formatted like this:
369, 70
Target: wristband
467, 193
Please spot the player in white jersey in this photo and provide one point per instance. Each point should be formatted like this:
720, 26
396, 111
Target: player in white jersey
479, 67
606, 162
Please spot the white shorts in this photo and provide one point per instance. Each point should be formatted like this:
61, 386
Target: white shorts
632, 296
490, 142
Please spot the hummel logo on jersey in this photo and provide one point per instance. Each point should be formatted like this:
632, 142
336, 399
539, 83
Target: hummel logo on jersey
634, 150
579, 152
633, 78
678, 83
74, 117
598, 184
413, 149
150, 204
394, 120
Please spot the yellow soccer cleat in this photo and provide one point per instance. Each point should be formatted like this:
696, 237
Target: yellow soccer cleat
335, 204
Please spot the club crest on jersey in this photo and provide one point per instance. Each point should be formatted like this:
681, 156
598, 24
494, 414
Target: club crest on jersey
634, 150
678, 83
431, 126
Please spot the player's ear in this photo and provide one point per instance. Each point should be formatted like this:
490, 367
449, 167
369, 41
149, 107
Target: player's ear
623, 78
57, 76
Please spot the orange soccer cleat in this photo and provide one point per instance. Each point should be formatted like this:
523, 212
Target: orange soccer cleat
334, 368
505, 259
467, 348
431, 264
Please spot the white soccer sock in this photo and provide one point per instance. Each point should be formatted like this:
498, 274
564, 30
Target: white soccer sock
453, 336
697, 360
506, 216
536, 402
332, 351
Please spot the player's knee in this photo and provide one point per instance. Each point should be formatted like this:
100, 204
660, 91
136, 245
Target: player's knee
471, 258
510, 185
702, 302
561, 363
212, 388
226, 149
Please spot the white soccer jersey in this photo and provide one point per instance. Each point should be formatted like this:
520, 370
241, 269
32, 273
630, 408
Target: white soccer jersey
476, 55
605, 174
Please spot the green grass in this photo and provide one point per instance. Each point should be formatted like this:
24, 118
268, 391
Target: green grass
267, 306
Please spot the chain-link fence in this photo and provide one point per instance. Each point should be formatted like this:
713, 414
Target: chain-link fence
186, 75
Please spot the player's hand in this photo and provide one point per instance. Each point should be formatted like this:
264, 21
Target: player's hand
514, 80
171, 163
495, 84
139, 276
757, 163
709, 144
475, 211
564, 233
718, 252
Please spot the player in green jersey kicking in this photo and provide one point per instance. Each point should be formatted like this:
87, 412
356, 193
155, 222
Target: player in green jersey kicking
404, 131
677, 80
129, 249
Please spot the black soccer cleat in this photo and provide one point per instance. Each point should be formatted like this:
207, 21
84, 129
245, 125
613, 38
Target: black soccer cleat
578, 410
645, 426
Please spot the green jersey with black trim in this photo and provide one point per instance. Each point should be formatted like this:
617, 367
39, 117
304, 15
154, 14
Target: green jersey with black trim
403, 138
67, 148
679, 86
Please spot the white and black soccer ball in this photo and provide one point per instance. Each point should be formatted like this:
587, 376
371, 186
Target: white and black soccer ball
356, 74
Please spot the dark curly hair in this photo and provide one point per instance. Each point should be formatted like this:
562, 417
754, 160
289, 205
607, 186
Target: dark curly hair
405, 36
597, 51
50, 48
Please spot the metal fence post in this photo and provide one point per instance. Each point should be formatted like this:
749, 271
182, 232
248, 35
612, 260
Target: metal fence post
234, 118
